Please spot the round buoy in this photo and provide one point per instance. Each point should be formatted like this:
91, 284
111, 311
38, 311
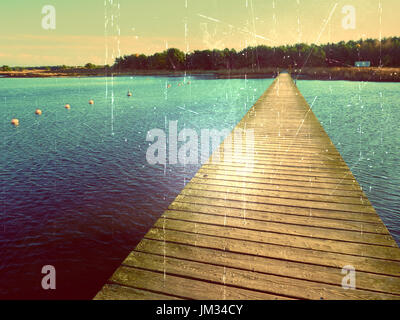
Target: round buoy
15, 122
91, 102
129, 93
169, 86
38, 112
67, 106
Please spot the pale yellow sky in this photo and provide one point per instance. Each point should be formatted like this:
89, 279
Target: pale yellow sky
98, 31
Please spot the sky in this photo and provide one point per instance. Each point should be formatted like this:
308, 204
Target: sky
98, 31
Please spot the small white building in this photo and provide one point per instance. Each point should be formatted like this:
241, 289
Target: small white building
362, 64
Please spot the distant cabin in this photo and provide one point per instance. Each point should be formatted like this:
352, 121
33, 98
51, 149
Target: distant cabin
364, 64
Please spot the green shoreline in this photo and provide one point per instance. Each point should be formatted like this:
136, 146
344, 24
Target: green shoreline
309, 73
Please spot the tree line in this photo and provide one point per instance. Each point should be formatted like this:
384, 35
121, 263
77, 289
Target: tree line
385, 53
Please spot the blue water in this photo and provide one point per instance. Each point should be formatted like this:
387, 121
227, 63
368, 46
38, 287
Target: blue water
76, 189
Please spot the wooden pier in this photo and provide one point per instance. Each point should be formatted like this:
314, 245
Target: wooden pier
285, 221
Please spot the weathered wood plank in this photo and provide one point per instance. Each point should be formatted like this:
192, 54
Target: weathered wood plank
328, 187
277, 227
280, 217
197, 185
168, 284
118, 292
310, 212
306, 176
344, 174
287, 167
309, 255
328, 245
300, 270
277, 187
248, 280
280, 201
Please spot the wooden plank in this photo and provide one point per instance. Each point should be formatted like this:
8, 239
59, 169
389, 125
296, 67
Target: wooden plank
297, 162
212, 180
280, 217
310, 255
118, 292
329, 245
290, 269
246, 167
332, 189
280, 201
260, 141
242, 204
288, 167
244, 190
278, 223
306, 176
247, 280
292, 152
282, 228
284, 156
183, 287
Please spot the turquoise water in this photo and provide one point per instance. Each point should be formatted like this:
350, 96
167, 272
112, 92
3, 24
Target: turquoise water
77, 192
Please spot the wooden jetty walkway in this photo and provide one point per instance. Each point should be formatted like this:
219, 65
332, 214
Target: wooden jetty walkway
282, 227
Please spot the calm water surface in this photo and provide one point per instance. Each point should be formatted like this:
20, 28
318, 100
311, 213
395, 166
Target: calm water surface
78, 193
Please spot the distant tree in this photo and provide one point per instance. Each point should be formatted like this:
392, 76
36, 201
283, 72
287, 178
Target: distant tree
90, 66
142, 61
385, 52
175, 59
201, 60
158, 61
316, 57
5, 68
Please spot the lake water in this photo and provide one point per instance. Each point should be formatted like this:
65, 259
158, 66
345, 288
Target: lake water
76, 189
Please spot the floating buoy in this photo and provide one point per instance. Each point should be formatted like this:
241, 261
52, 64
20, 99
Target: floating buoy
38, 112
67, 106
15, 122
188, 82
129, 94
91, 102
169, 86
